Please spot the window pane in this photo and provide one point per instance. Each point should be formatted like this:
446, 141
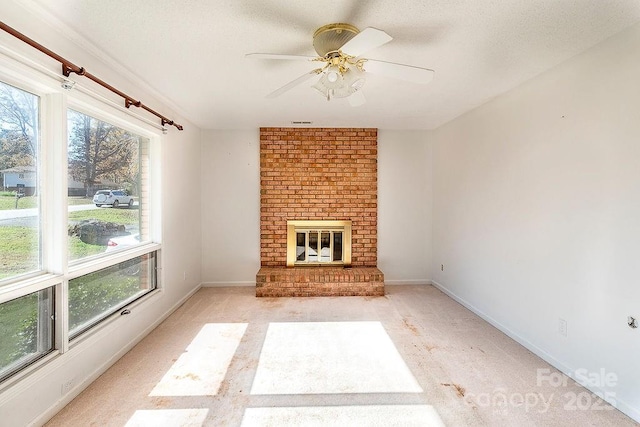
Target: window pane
301, 246
97, 295
19, 200
26, 330
325, 246
313, 246
337, 246
108, 170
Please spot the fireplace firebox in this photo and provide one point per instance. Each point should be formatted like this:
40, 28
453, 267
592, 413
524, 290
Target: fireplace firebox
318, 243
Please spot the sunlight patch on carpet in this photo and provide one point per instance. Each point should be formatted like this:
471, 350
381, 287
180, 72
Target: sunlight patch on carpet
200, 370
331, 357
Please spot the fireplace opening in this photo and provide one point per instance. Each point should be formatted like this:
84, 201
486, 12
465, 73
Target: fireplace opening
318, 243
318, 246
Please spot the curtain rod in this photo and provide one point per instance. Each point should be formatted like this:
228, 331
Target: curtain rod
69, 67
91, 92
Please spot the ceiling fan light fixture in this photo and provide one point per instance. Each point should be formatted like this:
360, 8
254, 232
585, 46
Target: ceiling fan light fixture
332, 78
343, 92
354, 79
321, 88
357, 85
333, 84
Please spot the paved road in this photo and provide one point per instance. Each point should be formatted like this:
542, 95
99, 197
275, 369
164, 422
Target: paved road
24, 213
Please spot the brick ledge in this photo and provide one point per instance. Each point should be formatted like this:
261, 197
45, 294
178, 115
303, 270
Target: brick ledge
320, 281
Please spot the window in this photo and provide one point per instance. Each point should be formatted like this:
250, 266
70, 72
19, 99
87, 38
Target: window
101, 158
26, 330
19, 198
94, 296
86, 249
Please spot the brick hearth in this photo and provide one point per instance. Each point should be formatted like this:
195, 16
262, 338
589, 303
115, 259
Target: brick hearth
320, 281
319, 174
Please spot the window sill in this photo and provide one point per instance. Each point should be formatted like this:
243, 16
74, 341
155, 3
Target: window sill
28, 285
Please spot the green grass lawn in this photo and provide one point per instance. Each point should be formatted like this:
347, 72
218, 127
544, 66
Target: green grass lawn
116, 215
18, 250
79, 249
79, 201
17, 319
9, 201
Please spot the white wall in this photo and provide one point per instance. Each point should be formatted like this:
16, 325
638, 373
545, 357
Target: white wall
404, 206
40, 395
537, 213
231, 207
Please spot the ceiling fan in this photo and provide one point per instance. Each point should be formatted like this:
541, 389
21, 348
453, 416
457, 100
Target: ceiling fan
343, 69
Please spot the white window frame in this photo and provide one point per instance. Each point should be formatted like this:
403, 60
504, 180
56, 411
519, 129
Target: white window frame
55, 269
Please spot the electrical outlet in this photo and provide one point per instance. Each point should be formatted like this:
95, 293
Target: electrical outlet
441, 267
562, 327
67, 386
184, 275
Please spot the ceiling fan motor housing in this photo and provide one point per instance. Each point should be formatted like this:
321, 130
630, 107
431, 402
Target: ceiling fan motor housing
332, 37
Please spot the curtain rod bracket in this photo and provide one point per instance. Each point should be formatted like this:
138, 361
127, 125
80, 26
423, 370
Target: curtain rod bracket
68, 69
166, 121
129, 102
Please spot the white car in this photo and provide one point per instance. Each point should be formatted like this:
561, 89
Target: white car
114, 198
132, 266
116, 243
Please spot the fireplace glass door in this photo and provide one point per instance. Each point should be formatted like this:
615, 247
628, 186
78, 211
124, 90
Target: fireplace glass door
319, 246
318, 243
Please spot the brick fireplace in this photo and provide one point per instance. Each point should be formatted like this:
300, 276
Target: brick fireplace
318, 174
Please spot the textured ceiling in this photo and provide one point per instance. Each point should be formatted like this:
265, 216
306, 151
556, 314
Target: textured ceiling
192, 52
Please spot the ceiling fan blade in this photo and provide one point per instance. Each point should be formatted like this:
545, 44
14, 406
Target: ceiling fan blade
279, 56
408, 73
366, 40
303, 78
357, 99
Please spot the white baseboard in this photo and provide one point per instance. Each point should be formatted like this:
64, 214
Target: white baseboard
523, 341
226, 284
622, 406
407, 282
67, 398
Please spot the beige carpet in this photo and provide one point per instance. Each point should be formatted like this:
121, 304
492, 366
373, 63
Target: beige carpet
413, 357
